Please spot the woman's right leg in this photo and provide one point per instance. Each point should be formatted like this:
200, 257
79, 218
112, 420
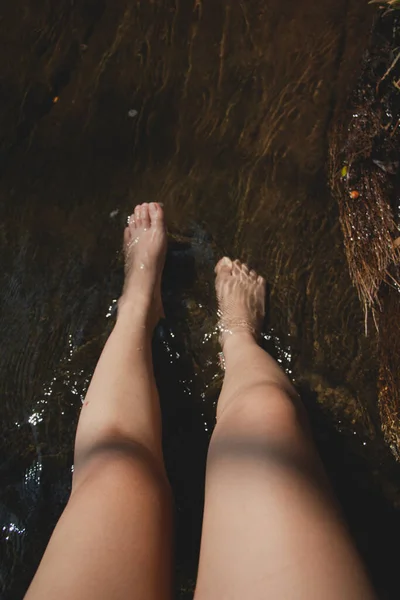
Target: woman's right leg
271, 528
114, 538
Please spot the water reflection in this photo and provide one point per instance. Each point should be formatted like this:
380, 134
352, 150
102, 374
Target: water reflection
12, 528
283, 354
32, 477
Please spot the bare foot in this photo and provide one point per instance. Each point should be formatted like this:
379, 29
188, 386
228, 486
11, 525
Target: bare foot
241, 299
145, 245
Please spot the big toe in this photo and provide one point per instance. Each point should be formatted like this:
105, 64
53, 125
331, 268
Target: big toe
224, 267
156, 214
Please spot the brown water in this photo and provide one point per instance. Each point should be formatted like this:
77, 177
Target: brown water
234, 103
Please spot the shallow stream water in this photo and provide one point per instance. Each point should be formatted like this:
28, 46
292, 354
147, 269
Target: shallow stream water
220, 110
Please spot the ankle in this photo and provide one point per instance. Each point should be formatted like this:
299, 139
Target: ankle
239, 339
136, 315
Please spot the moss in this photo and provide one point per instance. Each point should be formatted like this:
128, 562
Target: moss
390, 3
365, 180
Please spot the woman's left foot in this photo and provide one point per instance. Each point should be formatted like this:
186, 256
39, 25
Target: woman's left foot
241, 299
145, 245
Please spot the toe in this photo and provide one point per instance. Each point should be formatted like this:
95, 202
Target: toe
224, 266
156, 214
253, 275
144, 215
138, 219
261, 280
131, 221
236, 267
153, 212
245, 269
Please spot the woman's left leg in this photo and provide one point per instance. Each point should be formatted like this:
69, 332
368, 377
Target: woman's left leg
114, 539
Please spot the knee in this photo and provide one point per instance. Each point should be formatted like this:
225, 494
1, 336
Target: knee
265, 428
265, 407
112, 463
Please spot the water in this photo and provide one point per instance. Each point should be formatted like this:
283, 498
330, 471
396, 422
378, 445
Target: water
234, 102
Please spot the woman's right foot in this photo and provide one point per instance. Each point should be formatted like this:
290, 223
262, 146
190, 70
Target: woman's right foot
145, 244
241, 299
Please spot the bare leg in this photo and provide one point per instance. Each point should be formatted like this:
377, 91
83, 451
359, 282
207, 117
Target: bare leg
271, 528
114, 537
